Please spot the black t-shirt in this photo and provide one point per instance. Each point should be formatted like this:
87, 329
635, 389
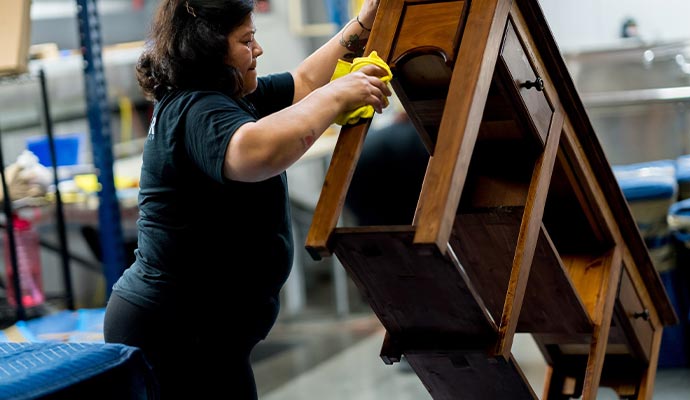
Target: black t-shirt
204, 240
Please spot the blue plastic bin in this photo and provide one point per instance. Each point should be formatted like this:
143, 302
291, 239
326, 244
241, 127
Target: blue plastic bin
66, 149
650, 188
675, 341
683, 176
647, 180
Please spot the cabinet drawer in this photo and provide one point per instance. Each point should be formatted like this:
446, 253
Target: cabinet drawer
634, 318
527, 83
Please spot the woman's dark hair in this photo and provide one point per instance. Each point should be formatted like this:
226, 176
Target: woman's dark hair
188, 46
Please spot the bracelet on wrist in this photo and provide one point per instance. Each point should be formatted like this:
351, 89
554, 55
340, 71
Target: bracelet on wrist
362, 25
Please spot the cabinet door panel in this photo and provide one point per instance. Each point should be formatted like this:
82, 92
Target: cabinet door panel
527, 83
634, 313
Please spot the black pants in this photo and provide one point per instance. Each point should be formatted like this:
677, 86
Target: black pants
192, 358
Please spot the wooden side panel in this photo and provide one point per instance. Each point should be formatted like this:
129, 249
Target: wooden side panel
415, 291
337, 182
602, 322
485, 244
469, 376
468, 91
431, 23
385, 28
422, 58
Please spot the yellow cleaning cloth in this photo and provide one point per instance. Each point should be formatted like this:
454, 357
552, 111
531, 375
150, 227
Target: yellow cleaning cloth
343, 68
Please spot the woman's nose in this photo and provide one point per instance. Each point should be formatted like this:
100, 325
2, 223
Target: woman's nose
258, 50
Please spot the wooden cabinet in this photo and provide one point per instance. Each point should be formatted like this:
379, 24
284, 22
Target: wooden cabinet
520, 224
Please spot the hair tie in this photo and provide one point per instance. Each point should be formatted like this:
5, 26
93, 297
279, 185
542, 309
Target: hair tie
189, 8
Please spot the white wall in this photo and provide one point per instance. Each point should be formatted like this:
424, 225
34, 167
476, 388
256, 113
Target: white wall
283, 50
585, 24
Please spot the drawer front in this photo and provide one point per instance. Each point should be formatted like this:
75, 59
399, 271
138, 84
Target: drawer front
526, 82
640, 334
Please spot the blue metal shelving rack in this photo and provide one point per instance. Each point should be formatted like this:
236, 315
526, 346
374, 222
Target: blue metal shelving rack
98, 112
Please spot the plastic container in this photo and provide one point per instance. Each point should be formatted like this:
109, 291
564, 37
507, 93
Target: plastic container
27, 244
66, 149
650, 189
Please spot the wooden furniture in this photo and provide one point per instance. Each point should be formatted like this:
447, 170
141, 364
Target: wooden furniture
520, 224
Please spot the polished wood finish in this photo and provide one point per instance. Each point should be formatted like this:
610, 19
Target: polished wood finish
520, 224
459, 126
332, 199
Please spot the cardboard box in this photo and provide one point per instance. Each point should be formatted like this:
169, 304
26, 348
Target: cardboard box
15, 36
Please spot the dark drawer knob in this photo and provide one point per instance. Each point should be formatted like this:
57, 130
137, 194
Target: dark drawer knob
642, 314
537, 84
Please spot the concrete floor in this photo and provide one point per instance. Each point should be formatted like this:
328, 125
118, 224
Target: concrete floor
321, 356
338, 359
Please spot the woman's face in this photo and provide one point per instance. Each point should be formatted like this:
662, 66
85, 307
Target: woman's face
243, 49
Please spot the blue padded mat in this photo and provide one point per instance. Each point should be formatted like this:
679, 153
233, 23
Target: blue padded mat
35, 370
683, 168
680, 208
83, 325
648, 180
679, 214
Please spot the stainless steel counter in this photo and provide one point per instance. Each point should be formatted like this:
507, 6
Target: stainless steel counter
637, 98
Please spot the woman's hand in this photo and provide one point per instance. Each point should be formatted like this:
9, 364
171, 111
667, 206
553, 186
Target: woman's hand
363, 87
265, 148
367, 13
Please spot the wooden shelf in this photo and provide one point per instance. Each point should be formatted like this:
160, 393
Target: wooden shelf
409, 286
485, 244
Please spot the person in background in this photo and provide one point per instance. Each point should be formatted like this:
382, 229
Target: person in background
214, 235
388, 178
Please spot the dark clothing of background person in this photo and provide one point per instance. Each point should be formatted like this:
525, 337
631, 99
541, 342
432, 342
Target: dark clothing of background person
388, 177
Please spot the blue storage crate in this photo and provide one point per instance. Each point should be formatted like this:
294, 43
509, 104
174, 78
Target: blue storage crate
67, 149
648, 180
675, 339
683, 176
650, 188
675, 342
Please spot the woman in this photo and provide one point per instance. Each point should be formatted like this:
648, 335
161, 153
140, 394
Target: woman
214, 238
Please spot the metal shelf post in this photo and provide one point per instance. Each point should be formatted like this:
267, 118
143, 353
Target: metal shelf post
98, 112
14, 263
60, 213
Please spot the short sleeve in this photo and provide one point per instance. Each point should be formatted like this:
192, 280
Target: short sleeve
274, 93
211, 121
213, 118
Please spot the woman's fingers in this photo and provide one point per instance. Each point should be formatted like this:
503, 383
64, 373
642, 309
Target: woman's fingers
379, 90
361, 88
375, 79
373, 70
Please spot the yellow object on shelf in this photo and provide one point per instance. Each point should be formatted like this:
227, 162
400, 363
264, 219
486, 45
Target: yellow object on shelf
89, 183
